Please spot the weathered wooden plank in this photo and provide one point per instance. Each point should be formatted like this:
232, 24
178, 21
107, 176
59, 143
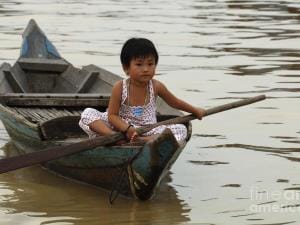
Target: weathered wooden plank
38, 114
42, 64
58, 100
56, 95
13, 81
76, 112
63, 112
67, 112
44, 113
42, 102
30, 114
25, 114
87, 82
53, 112
58, 113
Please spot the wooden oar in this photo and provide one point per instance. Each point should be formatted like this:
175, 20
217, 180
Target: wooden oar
16, 162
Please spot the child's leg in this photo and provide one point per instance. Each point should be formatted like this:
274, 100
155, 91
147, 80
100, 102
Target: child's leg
179, 131
95, 123
100, 127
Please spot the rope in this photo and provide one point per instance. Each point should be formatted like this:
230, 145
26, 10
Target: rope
117, 183
119, 180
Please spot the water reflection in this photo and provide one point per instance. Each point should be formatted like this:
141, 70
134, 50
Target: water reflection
256, 148
25, 196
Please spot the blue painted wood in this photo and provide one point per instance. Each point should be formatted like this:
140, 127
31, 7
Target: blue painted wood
24, 47
18, 126
36, 44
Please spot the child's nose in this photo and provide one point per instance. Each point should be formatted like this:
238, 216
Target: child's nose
146, 68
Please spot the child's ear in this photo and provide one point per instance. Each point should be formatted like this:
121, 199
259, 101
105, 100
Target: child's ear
125, 68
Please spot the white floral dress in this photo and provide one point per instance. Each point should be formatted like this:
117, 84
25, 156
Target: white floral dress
128, 113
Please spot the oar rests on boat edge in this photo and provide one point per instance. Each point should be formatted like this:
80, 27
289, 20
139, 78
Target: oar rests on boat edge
16, 162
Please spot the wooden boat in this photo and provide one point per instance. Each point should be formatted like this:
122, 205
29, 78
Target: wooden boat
42, 96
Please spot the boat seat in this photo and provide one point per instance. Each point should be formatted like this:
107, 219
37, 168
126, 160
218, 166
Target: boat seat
54, 123
40, 64
55, 100
41, 115
62, 128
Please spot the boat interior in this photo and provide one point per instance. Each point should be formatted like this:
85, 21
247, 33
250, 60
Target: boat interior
47, 90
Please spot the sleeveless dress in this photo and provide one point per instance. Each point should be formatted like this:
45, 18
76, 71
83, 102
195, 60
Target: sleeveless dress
127, 113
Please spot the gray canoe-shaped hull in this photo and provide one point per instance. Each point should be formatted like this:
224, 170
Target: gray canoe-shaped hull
133, 170
42, 96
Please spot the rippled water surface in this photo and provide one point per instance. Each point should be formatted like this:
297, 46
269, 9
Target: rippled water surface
240, 167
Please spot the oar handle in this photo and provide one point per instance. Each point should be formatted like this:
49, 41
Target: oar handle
187, 118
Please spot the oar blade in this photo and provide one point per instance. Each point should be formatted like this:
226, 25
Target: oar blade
17, 162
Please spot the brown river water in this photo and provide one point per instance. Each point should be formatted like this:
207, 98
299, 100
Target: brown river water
240, 166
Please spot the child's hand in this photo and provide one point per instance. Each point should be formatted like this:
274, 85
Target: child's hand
134, 137
131, 134
199, 113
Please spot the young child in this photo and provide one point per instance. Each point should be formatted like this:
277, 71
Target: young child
132, 102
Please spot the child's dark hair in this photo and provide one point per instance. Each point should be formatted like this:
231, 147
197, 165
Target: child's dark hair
135, 48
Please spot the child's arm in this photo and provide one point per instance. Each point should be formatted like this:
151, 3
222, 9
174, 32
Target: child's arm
163, 92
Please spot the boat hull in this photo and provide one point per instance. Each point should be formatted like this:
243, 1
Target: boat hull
134, 171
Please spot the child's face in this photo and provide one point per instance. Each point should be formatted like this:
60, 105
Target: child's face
141, 69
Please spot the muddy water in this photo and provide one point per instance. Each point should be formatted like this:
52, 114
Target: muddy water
240, 167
